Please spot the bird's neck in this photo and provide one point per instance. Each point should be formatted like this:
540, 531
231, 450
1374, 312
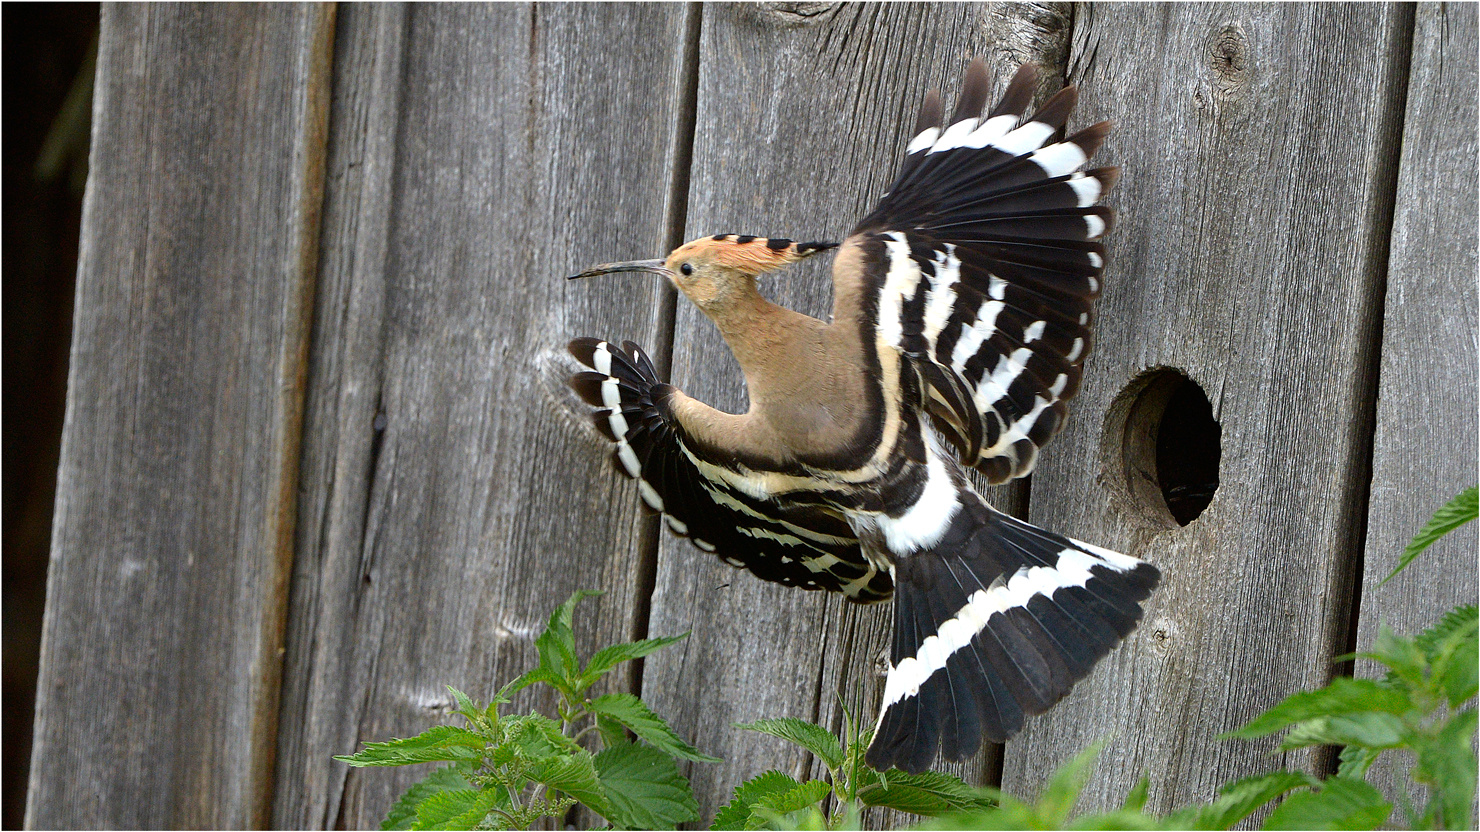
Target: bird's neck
811, 398
769, 342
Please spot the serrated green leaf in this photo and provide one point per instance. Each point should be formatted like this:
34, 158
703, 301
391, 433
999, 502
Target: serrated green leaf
403, 813
810, 818
1355, 760
544, 675
644, 788
735, 813
575, 775
1342, 803
1453, 514
1457, 675
464, 704
539, 736
795, 808
612, 732
506, 754
1368, 730
929, 793
1238, 800
445, 743
472, 818
796, 798
1455, 654
1010, 813
1343, 696
1456, 624
1135, 800
1448, 766
500, 698
609, 657
1062, 791
1403, 657
814, 738
455, 809
557, 644
807, 818
633, 713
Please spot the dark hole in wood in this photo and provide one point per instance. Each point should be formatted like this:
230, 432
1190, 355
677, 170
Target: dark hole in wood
1161, 433
1189, 446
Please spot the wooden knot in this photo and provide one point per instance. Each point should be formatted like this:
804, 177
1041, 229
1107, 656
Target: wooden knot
1228, 58
793, 13
1163, 632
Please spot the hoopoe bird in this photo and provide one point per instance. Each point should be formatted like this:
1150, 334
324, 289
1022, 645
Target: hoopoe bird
961, 319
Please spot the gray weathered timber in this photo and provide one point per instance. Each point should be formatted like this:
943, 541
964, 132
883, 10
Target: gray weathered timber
1424, 451
450, 491
802, 119
343, 399
173, 535
480, 154
1259, 162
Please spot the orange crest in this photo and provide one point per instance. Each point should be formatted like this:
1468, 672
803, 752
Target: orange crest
751, 255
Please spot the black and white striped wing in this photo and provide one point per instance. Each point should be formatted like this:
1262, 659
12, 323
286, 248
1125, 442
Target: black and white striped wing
796, 545
985, 260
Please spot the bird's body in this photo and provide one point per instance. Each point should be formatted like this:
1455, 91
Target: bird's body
961, 318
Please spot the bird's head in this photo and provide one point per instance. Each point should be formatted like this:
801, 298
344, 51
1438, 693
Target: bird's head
714, 271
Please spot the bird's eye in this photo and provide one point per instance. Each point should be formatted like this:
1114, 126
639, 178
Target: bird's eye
687, 269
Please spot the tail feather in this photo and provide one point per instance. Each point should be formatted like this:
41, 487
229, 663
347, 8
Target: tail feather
960, 722
995, 622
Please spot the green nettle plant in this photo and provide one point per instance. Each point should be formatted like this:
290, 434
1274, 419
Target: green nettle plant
779, 801
506, 771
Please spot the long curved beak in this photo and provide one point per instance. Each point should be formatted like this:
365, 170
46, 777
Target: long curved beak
650, 266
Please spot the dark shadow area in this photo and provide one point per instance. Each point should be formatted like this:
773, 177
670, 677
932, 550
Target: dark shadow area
1189, 446
48, 104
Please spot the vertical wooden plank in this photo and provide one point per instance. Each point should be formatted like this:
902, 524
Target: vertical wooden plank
157, 699
803, 114
1259, 145
1425, 446
340, 426
457, 490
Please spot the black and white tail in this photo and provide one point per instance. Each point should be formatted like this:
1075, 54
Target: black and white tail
993, 622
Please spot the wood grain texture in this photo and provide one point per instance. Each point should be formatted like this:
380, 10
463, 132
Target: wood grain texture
450, 491
1258, 154
340, 422
173, 533
1424, 451
480, 154
803, 114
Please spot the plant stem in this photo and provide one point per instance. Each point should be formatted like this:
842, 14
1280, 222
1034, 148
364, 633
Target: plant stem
509, 820
513, 795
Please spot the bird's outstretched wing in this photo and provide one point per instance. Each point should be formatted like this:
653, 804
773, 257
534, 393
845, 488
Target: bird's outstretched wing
795, 545
983, 261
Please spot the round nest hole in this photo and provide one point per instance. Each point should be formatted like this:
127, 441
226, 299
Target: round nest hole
1161, 434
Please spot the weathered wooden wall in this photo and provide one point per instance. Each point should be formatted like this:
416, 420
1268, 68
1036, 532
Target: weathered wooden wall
1425, 446
319, 460
1260, 166
157, 701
